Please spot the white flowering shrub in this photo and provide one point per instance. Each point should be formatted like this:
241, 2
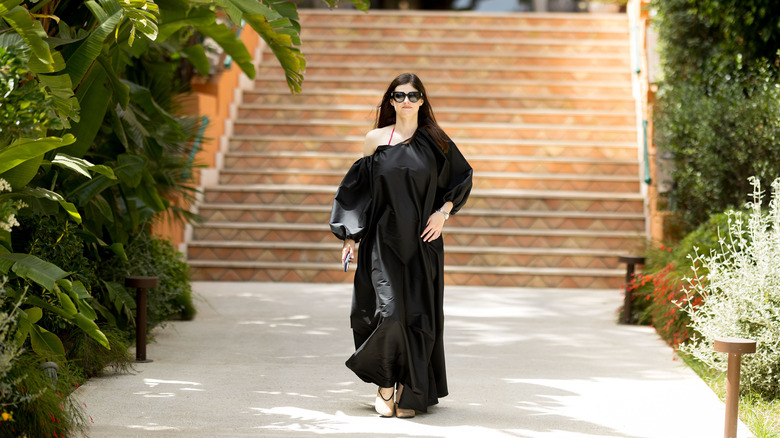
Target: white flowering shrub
739, 284
8, 208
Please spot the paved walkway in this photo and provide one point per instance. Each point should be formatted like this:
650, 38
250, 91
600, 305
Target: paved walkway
266, 360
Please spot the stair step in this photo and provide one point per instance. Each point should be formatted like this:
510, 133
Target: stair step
366, 113
462, 86
450, 44
625, 151
460, 236
320, 214
475, 73
480, 163
506, 180
293, 252
335, 128
477, 276
462, 22
483, 100
616, 61
426, 33
499, 193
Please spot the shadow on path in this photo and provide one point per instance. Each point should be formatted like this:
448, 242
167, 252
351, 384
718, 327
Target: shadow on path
267, 360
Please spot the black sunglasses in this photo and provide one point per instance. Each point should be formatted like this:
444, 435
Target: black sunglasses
400, 96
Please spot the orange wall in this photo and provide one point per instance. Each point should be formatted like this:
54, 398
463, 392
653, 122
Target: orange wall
211, 99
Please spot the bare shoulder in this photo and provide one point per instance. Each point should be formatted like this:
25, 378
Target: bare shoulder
373, 139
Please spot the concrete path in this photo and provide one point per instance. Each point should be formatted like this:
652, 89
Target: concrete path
266, 360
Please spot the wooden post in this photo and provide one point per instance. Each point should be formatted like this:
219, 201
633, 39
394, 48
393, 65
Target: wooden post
735, 347
141, 284
631, 261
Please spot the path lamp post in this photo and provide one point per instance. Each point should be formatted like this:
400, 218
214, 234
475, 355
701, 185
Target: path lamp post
141, 284
631, 261
735, 347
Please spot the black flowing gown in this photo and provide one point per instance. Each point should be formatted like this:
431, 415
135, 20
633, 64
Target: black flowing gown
397, 318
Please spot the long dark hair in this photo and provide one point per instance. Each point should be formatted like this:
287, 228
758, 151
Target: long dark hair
385, 113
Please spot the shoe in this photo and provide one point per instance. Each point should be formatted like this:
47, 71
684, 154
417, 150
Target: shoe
384, 407
404, 413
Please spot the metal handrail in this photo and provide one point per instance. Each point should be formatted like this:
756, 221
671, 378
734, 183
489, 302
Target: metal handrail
204, 122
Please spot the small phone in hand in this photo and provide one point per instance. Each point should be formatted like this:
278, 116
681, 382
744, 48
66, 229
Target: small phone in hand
347, 260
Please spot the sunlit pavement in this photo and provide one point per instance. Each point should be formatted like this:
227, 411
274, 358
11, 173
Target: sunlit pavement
267, 360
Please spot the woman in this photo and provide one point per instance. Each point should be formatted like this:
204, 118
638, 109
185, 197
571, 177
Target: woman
395, 201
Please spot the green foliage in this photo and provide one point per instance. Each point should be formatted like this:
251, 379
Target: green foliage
718, 112
32, 406
720, 134
9, 352
661, 285
702, 38
91, 359
60, 242
740, 283
153, 256
27, 109
8, 209
45, 409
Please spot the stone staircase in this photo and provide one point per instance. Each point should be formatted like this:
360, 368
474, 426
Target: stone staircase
540, 104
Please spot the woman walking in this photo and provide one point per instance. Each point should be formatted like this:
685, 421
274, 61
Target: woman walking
395, 202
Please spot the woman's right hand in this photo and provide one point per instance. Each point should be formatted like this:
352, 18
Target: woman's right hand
349, 247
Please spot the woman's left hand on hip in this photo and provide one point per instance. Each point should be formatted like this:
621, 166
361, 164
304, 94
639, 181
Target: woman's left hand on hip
434, 227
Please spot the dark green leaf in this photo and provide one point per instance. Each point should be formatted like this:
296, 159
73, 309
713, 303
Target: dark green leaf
89, 49
130, 169
94, 98
121, 90
25, 149
231, 44
174, 19
67, 304
31, 32
41, 193
89, 327
197, 56
46, 343
85, 192
34, 269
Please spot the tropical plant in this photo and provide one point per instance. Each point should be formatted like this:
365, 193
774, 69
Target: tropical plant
10, 395
153, 256
30, 404
740, 284
39, 405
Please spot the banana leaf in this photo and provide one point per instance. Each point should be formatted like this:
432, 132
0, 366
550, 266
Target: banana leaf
231, 44
82, 166
32, 268
31, 32
94, 99
89, 49
197, 56
41, 193
25, 149
45, 343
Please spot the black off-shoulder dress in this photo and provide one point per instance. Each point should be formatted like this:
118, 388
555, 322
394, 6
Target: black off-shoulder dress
397, 318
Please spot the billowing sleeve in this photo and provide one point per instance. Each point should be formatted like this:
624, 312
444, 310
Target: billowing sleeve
352, 204
454, 181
